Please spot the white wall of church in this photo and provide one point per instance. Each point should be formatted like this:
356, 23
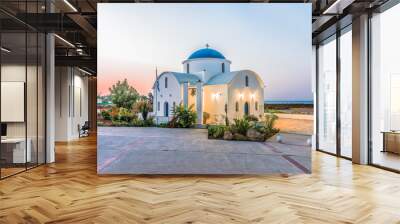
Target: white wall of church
214, 98
170, 94
212, 66
253, 94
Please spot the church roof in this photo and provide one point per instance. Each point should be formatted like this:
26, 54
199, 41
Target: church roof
185, 77
227, 77
206, 53
222, 78
181, 77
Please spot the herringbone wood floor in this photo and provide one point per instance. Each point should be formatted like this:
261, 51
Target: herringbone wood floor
70, 191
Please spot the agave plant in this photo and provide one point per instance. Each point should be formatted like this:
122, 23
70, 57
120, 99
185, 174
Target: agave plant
240, 126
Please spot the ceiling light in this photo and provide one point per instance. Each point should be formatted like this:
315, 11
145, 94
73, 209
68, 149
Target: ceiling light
64, 40
70, 5
84, 71
5, 50
338, 6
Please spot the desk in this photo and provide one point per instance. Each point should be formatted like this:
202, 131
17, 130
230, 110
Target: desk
391, 141
18, 151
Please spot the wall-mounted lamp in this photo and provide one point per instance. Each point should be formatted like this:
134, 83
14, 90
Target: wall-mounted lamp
70, 5
64, 40
252, 96
5, 50
241, 96
215, 96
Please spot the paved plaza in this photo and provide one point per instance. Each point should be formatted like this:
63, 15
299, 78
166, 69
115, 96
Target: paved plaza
132, 150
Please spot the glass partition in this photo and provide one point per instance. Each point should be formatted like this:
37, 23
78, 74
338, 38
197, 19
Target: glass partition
22, 107
346, 93
327, 95
385, 89
13, 90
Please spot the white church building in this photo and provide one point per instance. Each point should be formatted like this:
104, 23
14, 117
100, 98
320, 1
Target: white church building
207, 83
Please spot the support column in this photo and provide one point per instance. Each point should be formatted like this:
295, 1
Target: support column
199, 102
185, 94
360, 90
50, 98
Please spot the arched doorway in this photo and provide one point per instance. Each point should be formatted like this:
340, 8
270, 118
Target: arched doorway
246, 109
166, 109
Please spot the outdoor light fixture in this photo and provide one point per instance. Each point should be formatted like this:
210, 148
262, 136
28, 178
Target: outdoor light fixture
5, 50
252, 96
64, 40
70, 5
241, 96
215, 96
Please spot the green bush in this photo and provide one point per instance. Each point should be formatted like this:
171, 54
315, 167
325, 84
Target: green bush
269, 122
216, 131
125, 115
250, 118
184, 117
106, 115
143, 107
163, 125
240, 126
149, 122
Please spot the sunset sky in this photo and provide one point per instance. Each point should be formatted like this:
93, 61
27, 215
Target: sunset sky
274, 40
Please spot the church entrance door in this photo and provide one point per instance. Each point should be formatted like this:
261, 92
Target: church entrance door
246, 109
166, 109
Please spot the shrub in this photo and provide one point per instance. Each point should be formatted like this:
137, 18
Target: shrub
250, 118
106, 115
163, 125
184, 117
216, 131
149, 122
240, 126
269, 122
125, 115
142, 107
114, 114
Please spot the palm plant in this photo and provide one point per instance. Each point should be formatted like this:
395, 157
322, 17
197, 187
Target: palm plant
183, 117
143, 107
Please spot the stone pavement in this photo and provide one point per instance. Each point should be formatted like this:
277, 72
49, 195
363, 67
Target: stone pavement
133, 150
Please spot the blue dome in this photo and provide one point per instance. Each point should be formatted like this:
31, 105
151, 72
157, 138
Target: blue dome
206, 53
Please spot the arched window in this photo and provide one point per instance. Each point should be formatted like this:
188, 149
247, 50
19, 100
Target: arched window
256, 105
173, 105
247, 81
246, 109
166, 82
187, 68
237, 106
158, 105
223, 67
226, 108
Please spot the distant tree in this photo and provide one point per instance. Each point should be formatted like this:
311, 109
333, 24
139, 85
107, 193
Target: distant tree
150, 99
123, 95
